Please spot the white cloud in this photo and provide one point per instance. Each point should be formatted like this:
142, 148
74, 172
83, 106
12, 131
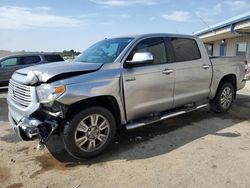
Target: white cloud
217, 9
125, 16
13, 17
207, 12
42, 8
124, 3
238, 5
211, 14
178, 16
214, 13
105, 23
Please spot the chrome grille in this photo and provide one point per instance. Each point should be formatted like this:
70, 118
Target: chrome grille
20, 93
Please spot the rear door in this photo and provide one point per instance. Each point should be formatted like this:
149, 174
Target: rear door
147, 88
192, 72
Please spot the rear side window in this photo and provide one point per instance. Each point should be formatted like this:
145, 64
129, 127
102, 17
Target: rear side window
185, 49
29, 60
53, 58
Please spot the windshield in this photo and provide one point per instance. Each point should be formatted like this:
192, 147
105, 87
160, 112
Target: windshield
105, 51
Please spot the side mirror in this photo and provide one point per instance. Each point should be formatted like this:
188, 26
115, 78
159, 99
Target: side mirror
141, 58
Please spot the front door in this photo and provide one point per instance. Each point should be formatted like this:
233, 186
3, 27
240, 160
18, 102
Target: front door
147, 88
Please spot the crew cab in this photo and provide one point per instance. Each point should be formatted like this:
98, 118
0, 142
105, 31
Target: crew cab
120, 84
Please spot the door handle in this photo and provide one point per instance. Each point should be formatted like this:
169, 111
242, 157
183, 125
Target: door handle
130, 79
205, 66
167, 71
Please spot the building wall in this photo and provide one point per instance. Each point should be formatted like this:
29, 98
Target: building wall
231, 46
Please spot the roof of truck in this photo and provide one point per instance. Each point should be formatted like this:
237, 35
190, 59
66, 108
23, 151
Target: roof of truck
137, 36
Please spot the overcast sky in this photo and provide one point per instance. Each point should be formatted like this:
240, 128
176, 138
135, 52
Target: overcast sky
55, 25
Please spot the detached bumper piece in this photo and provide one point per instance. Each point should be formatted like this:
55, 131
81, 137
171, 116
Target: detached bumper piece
27, 128
30, 128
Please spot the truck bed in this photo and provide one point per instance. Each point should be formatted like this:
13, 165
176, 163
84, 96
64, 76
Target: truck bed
227, 65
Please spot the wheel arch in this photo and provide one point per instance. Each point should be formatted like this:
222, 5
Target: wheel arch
107, 101
230, 78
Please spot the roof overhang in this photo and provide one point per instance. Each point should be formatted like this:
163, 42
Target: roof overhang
226, 30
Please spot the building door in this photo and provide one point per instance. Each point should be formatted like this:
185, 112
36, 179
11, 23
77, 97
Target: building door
223, 49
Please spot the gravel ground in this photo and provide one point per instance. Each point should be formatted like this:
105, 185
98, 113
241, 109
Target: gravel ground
199, 149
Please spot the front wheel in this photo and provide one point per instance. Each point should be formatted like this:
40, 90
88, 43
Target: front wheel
89, 132
224, 98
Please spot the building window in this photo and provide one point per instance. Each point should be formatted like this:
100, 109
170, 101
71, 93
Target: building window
241, 49
209, 48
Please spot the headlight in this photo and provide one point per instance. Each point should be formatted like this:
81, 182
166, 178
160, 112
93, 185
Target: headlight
47, 93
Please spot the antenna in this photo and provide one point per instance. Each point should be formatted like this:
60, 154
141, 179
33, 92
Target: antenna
203, 21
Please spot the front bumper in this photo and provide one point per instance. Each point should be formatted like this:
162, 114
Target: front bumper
19, 117
26, 128
34, 121
27, 116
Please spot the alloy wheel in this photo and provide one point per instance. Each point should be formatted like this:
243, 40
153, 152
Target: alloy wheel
226, 97
92, 132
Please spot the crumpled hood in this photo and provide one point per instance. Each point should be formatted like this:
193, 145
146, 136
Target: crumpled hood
46, 72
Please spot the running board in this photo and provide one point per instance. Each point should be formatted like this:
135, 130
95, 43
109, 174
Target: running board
165, 116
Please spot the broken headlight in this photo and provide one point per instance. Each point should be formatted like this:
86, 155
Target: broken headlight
47, 93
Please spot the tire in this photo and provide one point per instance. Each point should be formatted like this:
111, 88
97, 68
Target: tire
89, 132
225, 91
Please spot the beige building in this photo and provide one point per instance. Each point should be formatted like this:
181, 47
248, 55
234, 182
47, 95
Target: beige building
228, 38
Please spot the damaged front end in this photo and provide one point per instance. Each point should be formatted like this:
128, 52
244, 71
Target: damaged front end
31, 128
34, 111
41, 124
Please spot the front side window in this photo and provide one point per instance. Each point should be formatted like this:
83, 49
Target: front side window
105, 51
241, 49
185, 49
155, 46
9, 62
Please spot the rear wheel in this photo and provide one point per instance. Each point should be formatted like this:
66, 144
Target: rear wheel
89, 133
224, 98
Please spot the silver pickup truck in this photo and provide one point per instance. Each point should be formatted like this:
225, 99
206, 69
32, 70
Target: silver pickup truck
120, 84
